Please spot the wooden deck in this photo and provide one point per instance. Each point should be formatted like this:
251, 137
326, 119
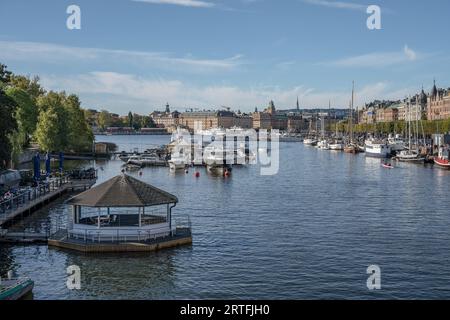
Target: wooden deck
183, 236
29, 206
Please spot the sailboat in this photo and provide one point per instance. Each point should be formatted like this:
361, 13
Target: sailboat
411, 155
310, 140
351, 147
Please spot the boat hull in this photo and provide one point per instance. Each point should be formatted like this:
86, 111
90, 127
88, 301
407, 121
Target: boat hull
17, 291
443, 163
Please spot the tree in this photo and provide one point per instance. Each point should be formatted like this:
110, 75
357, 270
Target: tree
80, 133
52, 127
26, 113
5, 75
130, 119
104, 119
30, 86
8, 125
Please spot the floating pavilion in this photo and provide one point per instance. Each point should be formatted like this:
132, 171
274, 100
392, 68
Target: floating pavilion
123, 214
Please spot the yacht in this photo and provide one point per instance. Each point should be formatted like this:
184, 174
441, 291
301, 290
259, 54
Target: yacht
396, 143
323, 144
218, 159
336, 146
178, 161
377, 149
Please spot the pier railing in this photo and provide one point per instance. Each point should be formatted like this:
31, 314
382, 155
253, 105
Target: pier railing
29, 195
129, 234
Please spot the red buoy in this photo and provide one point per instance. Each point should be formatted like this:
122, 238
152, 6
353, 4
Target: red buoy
197, 174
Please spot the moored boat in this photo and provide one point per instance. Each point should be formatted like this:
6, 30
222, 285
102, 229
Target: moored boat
377, 149
310, 141
15, 289
410, 156
443, 158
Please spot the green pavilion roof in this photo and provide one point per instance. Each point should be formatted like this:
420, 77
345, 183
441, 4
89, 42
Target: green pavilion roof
123, 191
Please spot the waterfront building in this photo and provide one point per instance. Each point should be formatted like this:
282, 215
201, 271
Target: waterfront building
262, 120
122, 214
439, 104
207, 119
388, 114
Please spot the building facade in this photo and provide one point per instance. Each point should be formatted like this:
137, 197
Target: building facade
439, 104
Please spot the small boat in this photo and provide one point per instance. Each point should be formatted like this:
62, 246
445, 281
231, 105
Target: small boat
15, 289
410, 156
387, 165
443, 158
310, 141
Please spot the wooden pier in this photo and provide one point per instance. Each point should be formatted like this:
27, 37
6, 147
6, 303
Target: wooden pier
28, 202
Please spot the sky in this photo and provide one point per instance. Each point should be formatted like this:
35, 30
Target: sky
139, 55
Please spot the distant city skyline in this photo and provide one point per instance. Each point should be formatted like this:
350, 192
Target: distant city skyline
139, 54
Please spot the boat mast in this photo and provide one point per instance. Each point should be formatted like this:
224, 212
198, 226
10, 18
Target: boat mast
351, 112
409, 123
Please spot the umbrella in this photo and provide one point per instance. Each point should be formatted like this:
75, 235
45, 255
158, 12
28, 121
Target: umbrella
37, 167
47, 164
61, 162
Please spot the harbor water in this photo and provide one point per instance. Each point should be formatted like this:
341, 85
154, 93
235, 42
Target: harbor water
308, 232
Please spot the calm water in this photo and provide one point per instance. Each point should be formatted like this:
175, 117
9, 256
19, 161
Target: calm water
309, 232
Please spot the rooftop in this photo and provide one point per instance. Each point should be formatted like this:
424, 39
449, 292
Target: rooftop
123, 191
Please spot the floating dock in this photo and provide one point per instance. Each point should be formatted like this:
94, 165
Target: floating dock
182, 236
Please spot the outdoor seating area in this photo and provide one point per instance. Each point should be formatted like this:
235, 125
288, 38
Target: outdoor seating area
120, 211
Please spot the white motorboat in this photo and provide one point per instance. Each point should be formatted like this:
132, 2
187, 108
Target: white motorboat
310, 141
396, 143
146, 160
336, 146
178, 161
377, 149
323, 144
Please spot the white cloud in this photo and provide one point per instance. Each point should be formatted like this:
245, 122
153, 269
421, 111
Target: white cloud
54, 53
122, 92
411, 54
184, 3
337, 4
377, 59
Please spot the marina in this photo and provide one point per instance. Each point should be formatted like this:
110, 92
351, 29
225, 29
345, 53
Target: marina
397, 211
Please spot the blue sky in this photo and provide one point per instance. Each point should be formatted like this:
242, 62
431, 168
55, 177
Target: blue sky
138, 55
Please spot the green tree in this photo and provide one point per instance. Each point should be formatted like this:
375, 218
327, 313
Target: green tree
130, 120
26, 113
52, 128
80, 133
104, 119
8, 125
29, 85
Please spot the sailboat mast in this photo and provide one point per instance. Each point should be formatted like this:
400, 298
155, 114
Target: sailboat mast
351, 112
409, 123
